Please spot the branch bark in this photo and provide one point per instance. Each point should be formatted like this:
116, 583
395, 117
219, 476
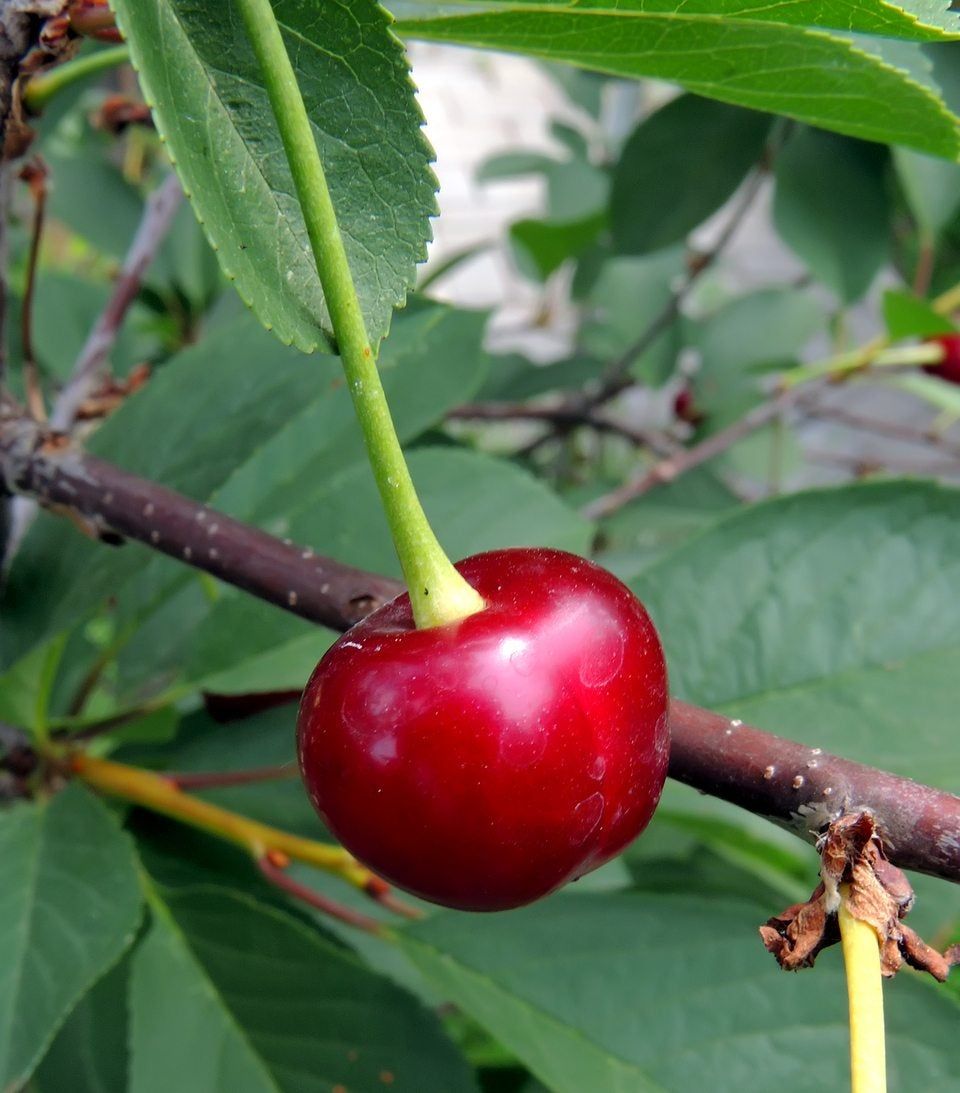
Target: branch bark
794, 785
41, 464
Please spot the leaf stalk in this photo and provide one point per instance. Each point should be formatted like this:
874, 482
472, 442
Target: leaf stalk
438, 594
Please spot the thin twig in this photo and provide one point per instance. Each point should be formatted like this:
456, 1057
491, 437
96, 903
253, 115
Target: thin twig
923, 273
223, 778
158, 214
666, 470
5, 194
279, 877
863, 465
565, 417
895, 430
617, 375
87, 371
35, 175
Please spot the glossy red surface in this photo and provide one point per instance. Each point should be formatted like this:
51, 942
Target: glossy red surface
485, 763
949, 367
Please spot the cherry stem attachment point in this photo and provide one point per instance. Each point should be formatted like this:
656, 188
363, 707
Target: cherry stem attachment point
861, 956
438, 594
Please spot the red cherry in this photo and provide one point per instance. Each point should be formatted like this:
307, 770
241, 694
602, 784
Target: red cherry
685, 408
484, 763
949, 368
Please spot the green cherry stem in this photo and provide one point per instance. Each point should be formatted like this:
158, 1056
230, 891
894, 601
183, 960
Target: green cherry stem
438, 594
43, 87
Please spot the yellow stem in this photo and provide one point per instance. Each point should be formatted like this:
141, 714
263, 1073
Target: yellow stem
861, 956
159, 794
873, 352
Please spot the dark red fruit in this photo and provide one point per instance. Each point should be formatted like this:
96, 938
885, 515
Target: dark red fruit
484, 763
685, 408
949, 368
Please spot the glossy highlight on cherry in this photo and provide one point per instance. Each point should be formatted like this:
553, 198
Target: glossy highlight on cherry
483, 764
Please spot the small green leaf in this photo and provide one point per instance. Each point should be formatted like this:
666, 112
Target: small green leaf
230, 995
69, 905
678, 167
907, 316
548, 243
667, 994
831, 208
210, 106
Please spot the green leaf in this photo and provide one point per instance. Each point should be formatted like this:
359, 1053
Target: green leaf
89, 1054
87, 185
69, 905
723, 49
907, 316
689, 853
432, 361
931, 187
743, 339
506, 507
509, 165
626, 297
210, 106
831, 208
678, 167
827, 617
73, 306
633, 537
548, 243
231, 995
617, 993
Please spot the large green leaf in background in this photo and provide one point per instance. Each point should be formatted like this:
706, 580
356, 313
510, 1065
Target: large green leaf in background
678, 166
89, 1054
830, 617
638, 993
231, 996
760, 56
831, 208
204, 85
69, 905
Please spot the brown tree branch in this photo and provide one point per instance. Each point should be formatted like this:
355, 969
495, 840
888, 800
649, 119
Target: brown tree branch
39, 464
804, 789
794, 785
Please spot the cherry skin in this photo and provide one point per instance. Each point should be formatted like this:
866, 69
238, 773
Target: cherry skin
484, 763
949, 368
